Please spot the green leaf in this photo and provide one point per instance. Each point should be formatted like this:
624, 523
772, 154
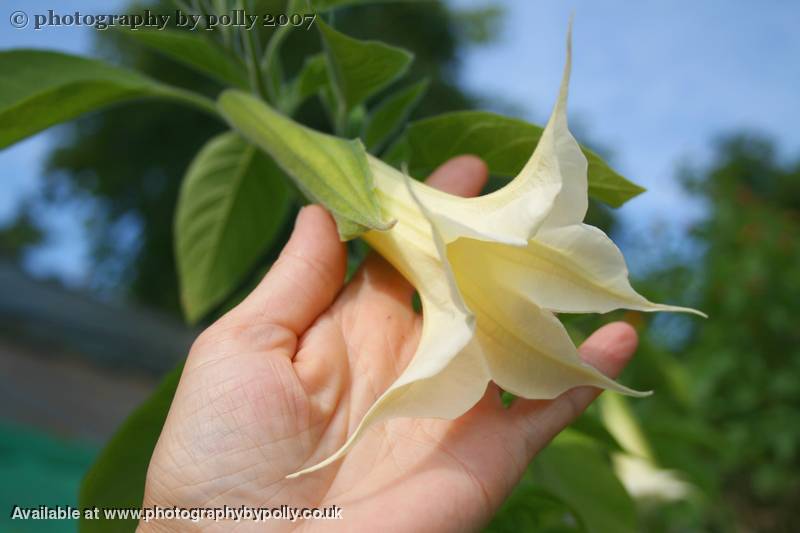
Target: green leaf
40, 88
311, 78
361, 68
390, 115
574, 470
590, 426
329, 170
117, 477
233, 203
606, 185
505, 144
194, 50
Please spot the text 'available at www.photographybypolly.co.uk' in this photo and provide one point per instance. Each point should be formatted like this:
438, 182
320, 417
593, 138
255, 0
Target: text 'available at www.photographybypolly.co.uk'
237, 514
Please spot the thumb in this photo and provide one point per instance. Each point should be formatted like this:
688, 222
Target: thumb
305, 279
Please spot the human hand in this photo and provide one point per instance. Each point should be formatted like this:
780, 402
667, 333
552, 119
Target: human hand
279, 382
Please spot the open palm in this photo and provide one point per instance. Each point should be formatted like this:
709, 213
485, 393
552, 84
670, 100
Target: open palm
279, 383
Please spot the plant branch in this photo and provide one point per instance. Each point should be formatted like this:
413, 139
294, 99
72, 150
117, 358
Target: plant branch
188, 97
270, 63
252, 51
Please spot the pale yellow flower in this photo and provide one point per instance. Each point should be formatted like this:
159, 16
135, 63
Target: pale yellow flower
635, 465
491, 272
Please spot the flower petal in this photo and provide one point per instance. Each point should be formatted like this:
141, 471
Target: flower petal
528, 351
481, 218
445, 377
550, 189
571, 269
444, 380
562, 155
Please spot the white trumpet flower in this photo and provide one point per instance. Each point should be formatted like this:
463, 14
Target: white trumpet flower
491, 272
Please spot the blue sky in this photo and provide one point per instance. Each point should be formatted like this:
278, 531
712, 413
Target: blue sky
653, 81
66, 254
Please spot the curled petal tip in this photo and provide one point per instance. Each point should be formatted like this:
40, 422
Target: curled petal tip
622, 389
679, 309
570, 24
333, 458
694, 312
567, 67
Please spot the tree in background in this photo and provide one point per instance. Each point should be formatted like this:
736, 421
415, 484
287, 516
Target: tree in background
744, 363
726, 408
19, 236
